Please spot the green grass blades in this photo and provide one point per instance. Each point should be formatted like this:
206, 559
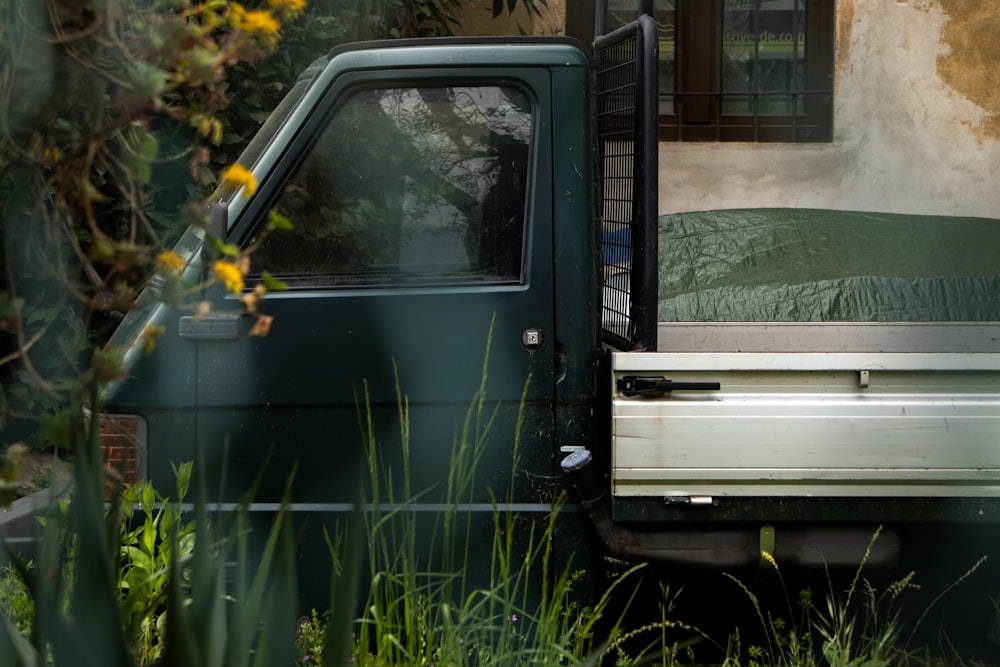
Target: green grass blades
857, 627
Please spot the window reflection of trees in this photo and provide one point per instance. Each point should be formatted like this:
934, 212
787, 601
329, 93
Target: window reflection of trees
764, 52
408, 184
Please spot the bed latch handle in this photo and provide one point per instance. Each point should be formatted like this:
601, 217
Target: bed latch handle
634, 385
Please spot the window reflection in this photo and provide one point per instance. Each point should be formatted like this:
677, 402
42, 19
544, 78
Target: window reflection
409, 186
763, 53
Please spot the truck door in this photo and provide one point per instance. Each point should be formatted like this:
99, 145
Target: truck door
418, 271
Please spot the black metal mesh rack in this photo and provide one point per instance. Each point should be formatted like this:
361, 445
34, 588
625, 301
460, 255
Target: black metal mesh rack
627, 181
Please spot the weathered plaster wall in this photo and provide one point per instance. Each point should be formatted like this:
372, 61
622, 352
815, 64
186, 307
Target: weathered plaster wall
917, 123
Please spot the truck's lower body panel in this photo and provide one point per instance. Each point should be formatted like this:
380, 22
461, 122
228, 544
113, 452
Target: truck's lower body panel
807, 425
766, 444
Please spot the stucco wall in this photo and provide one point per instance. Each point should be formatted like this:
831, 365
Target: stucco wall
917, 123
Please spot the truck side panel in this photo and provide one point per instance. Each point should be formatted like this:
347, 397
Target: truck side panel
807, 425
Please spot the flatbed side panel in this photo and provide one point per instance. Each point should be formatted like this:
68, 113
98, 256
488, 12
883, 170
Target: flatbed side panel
801, 425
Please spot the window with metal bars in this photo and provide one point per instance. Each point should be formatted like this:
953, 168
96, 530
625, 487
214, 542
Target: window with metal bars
742, 70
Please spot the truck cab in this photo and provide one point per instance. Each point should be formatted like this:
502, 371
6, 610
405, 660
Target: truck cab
443, 247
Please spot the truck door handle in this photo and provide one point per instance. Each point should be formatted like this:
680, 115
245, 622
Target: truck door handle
221, 326
633, 385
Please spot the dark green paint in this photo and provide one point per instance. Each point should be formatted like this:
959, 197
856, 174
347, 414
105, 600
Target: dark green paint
298, 394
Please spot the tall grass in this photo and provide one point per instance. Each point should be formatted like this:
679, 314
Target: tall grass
862, 627
431, 601
656, 642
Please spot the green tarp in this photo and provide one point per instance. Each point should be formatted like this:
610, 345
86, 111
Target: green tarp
810, 265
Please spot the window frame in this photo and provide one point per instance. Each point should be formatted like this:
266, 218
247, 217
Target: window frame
698, 98
255, 217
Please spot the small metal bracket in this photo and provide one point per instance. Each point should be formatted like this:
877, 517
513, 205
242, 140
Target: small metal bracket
689, 500
863, 379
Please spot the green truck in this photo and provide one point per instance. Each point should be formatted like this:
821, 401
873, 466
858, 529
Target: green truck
481, 215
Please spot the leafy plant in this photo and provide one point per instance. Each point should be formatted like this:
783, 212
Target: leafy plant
310, 638
168, 606
150, 541
16, 600
103, 106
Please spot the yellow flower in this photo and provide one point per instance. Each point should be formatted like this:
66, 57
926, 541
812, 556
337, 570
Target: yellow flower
260, 22
236, 14
252, 299
288, 9
239, 176
229, 275
208, 126
263, 26
149, 336
169, 262
262, 326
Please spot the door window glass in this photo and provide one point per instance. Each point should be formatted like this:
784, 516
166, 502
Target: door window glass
409, 185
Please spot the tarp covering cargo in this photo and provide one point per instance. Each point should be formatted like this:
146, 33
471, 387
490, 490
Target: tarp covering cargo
811, 265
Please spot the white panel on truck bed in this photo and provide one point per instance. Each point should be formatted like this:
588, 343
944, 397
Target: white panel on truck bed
810, 424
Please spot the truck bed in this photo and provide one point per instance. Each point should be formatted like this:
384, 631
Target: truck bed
856, 354
817, 265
